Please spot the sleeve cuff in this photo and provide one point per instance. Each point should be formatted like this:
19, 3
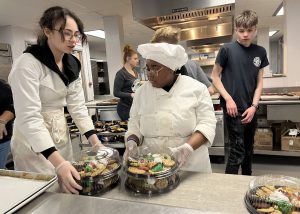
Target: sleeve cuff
46, 153
90, 133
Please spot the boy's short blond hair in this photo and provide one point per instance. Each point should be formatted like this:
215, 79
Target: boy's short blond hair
247, 19
168, 34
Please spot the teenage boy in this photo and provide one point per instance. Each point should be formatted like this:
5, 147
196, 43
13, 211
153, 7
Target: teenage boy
240, 65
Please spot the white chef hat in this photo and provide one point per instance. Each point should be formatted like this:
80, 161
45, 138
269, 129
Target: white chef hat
169, 55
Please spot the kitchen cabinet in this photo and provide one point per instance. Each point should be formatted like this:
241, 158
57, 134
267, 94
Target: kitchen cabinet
100, 77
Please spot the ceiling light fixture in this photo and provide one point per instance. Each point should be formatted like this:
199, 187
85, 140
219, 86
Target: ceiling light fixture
96, 33
272, 32
279, 11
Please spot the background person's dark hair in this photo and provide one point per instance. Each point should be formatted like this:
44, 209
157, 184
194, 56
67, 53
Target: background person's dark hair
128, 52
56, 14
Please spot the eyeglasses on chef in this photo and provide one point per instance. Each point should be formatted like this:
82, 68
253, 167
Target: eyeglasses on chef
153, 71
68, 34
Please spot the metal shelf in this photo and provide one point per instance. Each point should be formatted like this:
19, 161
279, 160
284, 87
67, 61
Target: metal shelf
111, 134
276, 153
216, 151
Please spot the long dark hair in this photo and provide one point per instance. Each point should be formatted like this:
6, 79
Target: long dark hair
56, 14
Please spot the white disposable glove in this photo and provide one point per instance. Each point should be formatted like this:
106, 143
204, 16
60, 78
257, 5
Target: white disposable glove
131, 150
66, 174
182, 153
3, 131
97, 146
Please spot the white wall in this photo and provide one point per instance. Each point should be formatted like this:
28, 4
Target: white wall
5, 34
291, 48
16, 37
114, 43
273, 56
96, 54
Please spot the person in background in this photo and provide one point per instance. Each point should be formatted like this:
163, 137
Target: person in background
171, 111
44, 79
171, 35
241, 64
7, 114
124, 80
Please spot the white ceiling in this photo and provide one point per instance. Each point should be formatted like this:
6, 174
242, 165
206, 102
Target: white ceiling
26, 13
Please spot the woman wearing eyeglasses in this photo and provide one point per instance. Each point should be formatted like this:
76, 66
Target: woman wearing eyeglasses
44, 80
124, 80
171, 112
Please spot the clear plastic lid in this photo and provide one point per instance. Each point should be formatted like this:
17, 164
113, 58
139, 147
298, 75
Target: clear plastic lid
103, 162
102, 154
275, 180
273, 193
145, 163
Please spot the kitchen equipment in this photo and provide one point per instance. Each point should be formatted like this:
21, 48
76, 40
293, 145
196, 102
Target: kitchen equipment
107, 112
197, 20
218, 146
98, 169
5, 61
19, 188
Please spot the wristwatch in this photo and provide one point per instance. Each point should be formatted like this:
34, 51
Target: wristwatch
255, 106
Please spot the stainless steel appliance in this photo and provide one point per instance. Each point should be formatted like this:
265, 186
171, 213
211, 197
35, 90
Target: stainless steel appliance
5, 61
218, 146
201, 22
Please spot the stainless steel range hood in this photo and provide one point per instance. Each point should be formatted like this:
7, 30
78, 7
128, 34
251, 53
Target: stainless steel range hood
201, 22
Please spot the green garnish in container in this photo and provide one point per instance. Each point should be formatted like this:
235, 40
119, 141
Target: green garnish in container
284, 207
157, 168
88, 168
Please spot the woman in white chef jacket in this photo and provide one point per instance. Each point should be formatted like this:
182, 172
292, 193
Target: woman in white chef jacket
45, 79
171, 111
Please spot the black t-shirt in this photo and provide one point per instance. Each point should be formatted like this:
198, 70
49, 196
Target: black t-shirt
122, 87
241, 66
6, 104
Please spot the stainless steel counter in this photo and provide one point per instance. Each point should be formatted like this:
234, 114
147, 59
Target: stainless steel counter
197, 193
63, 203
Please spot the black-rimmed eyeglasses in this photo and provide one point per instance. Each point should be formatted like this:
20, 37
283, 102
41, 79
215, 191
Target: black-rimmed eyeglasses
68, 35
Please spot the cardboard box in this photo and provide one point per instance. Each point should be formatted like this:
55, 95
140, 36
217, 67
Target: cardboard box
290, 143
263, 139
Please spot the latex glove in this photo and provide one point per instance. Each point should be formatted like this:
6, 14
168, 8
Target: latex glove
131, 150
3, 131
182, 153
66, 174
96, 143
97, 146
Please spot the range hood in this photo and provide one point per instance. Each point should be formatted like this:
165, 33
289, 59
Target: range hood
202, 22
